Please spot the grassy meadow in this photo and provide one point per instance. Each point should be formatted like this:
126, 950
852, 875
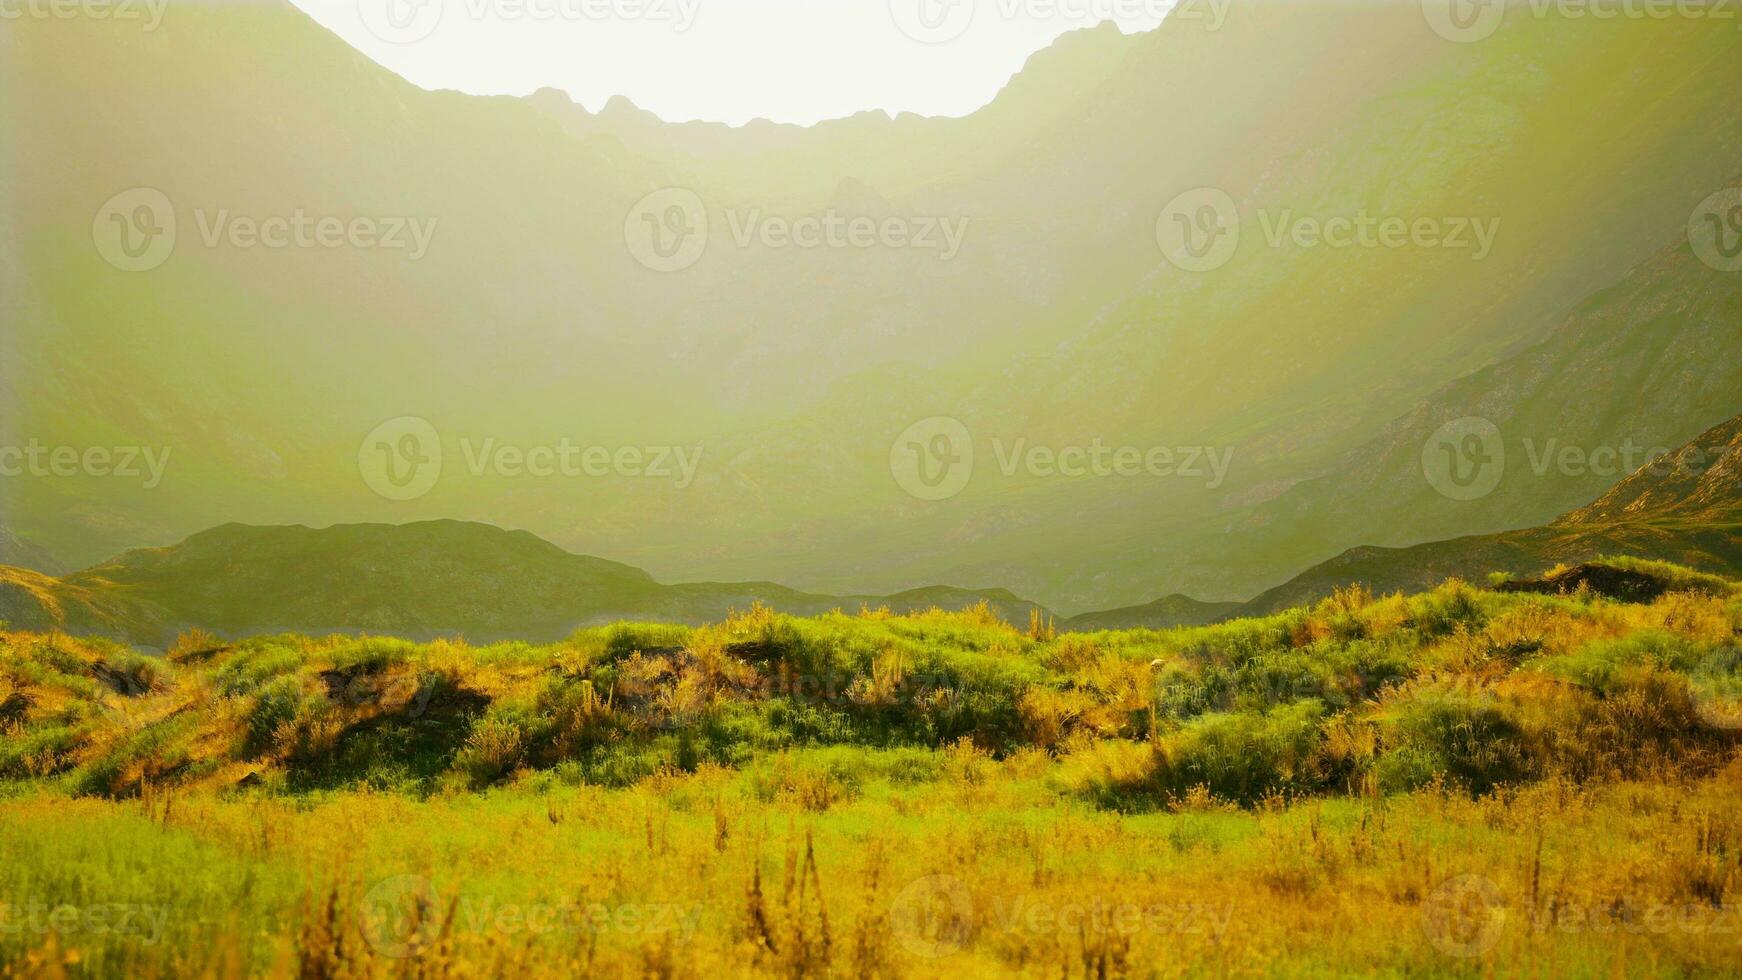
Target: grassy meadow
1476, 780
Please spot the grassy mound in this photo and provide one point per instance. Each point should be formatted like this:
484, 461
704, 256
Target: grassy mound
1477, 688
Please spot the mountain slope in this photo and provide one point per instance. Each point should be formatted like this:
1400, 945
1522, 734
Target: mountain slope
1685, 507
1699, 483
34, 601
1289, 356
1164, 613
20, 553
1641, 367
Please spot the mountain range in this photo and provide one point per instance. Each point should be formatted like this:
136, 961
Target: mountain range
434, 578
454, 578
1586, 143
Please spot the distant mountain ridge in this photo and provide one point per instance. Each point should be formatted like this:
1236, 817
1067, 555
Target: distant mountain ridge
1163, 613
458, 578
432, 578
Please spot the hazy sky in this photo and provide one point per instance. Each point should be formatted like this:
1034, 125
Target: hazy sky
726, 60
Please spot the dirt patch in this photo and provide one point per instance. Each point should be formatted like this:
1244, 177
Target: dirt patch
14, 707
1604, 580
124, 683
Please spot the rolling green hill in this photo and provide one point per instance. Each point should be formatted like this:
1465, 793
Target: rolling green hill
1164, 613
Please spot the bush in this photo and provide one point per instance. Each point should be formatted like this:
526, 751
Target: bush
275, 705
42, 752
1469, 737
1245, 757
498, 743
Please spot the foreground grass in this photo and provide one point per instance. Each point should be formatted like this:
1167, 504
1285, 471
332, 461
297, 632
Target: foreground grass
1464, 782
982, 871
